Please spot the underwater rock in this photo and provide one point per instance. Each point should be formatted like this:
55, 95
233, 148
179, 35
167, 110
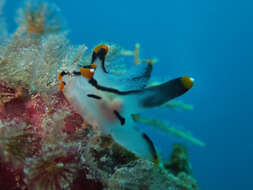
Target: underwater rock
188, 181
179, 160
143, 174
81, 182
103, 155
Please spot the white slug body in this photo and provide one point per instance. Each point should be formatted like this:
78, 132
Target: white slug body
109, 100
100, 111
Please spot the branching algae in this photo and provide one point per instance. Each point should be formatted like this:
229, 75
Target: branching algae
69, 119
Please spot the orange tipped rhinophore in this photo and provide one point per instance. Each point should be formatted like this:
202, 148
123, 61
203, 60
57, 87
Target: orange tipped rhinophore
61, 85
149, 61
60, 77
100, 52
100, 47
87, 72
94, 66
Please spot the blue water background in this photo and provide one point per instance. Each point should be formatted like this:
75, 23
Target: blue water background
212, 41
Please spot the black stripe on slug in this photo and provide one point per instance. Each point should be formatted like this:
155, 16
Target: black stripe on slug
94, 96
94, 83
76, 73
63, 73
121, 119
151, 145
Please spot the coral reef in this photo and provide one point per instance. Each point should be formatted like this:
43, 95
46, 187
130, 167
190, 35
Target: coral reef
44, 143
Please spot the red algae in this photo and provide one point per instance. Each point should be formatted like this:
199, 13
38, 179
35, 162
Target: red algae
7, 180
35, 109
81, 182
29, 109
11, 178
72, 123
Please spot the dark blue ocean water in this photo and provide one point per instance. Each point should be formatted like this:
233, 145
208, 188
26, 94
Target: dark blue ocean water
210, 40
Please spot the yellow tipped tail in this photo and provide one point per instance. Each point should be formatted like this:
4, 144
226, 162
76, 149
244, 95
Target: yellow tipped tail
188, 82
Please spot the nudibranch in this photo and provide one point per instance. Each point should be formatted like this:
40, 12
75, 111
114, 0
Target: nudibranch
109, 100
